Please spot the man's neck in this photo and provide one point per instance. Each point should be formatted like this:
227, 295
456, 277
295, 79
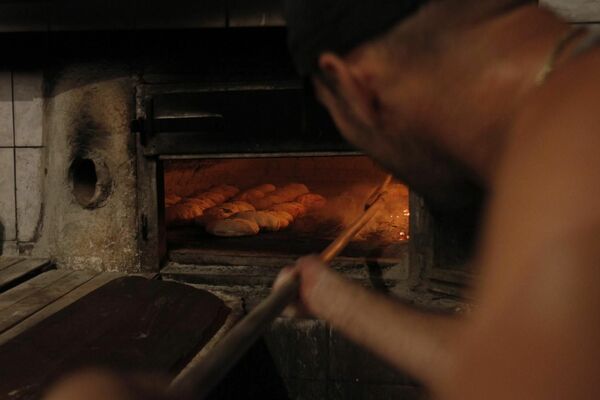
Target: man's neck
506, 55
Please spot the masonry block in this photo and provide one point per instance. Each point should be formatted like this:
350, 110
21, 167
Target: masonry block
361, 391
29, 176
303, 389
8, 227
350, 362
6, 112
9, 249
299, 348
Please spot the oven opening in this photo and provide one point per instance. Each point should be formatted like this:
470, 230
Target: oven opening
263, 211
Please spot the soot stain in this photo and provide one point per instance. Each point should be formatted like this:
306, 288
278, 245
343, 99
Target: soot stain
88, 136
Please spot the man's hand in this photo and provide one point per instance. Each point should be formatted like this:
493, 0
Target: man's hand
418, 343
98, 384
310, 270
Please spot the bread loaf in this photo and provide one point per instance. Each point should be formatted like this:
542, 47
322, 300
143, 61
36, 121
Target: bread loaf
226, 210
182, 212
312, 201
226, 190
285, 218
203, 203
171, 200
296, 210
266, 188
256, 193
265, 220
283, 195
234, 227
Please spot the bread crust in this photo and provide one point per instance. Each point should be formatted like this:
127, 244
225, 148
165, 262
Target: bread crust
312, 201
285, 218
171, 200
233, 227
267, 221
295, 209
226, 210
256, 193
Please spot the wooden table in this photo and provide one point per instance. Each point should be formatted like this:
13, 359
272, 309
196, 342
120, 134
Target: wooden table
54, 320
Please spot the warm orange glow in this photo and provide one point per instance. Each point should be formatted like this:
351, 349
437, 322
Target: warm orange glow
283, 194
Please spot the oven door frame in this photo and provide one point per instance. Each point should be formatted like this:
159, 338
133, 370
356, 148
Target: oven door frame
417, 257
166, 127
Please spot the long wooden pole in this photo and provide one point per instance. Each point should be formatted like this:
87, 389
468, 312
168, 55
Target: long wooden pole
201, 379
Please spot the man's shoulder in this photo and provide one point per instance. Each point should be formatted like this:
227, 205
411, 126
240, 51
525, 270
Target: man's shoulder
571, 92
562, 114
548, 179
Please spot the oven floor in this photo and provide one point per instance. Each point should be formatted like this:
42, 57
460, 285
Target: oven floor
53, 321
194, 246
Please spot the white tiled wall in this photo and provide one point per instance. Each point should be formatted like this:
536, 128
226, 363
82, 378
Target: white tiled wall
28, 167
28, 102
7, 195
6, 111
21, 157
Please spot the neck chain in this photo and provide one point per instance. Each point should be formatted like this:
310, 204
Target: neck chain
550, 64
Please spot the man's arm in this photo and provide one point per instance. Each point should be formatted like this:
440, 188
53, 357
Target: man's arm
415, 342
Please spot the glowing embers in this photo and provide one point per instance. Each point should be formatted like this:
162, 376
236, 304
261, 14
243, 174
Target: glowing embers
305, 198
391, 224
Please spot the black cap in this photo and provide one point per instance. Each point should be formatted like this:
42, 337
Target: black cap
315, 26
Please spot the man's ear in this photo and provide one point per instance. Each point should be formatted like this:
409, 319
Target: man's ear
352, 87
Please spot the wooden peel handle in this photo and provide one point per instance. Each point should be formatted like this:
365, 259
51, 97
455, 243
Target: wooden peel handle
201, 379
340, 243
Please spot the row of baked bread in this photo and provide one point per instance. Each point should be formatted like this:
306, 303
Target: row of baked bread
179, 211
225, 211
273, 210
219, 202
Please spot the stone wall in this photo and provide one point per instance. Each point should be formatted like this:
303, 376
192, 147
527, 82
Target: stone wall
90, 202
316, 362
50, 117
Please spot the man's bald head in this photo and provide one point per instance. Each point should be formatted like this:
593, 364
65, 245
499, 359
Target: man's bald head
317, 26
408, 82
339, 26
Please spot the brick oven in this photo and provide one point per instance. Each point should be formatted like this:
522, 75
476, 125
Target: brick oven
127, 125
115, 120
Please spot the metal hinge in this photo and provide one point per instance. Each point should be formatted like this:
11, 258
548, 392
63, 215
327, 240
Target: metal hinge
144, 227
139, 126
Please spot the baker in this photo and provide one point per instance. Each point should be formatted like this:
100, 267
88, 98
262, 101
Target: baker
452, 95
459, 98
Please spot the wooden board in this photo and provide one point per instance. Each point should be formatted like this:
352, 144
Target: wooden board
129, 324
237, 307
12, 296
64, 301
35, 299
21, 271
